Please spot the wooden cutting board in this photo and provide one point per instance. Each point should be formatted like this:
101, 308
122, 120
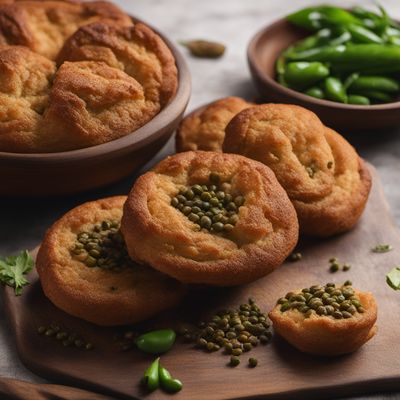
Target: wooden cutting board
282, 373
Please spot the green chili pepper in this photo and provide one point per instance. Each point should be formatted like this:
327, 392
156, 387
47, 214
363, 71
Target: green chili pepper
379, 83
334, 90
380, 97
350, 79
168, 383
303, 74
314, 18
363, 35
361, 57
359, 100
344, 37
316, 92
156, 342
151, 376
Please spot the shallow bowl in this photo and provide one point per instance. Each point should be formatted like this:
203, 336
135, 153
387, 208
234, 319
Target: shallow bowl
79, 170
262, 53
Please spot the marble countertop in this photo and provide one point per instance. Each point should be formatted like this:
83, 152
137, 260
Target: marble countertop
234, 22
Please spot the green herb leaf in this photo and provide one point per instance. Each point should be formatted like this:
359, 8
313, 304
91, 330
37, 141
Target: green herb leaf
382, 248
13, 270
393, 278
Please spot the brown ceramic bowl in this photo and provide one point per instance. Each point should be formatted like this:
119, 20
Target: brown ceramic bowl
92, 167
263, 51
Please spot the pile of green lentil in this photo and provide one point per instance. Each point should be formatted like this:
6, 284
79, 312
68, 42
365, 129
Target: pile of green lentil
102, 246
66, 338
329, 300
235, 330
208, 206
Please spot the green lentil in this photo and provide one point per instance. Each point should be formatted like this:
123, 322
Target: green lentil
103, 246
64, 337
295, 256
208, 206
328, 300
234, 361
236, 330
253, 362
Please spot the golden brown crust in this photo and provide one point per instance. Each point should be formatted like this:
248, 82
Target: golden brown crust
100, 296
44, 26
323, 175
204, 129
136, 50
159, 234
112, 76
324, 335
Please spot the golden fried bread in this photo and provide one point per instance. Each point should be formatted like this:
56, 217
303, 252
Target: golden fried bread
44, 26
204, 129
111, 77
136, 50
25, 83
106, 287
327, 334
237, 232
323, 175
91, 103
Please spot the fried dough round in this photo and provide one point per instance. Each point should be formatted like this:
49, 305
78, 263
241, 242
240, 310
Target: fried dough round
111, 76
323, 175
104, 297
162, 236
325, 335
204, 129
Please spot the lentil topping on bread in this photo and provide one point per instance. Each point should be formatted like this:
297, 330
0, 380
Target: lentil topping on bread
204, 129
84, 269
323, 175
200, 244
318, 332
105, 76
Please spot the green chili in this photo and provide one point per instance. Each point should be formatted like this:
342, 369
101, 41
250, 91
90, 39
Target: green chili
363, 35
379, 83
151, 376
316, 92
303, 74
334, 90
315, 18
380, 97
156, 342
361, 57
358, 100
168, 383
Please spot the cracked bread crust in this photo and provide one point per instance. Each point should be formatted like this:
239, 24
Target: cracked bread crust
204, 129
323, 175
160, 235
86, 98
98, 295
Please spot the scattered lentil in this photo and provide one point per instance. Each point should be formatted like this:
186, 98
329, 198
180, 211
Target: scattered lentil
64, 337
295, 256
234, 330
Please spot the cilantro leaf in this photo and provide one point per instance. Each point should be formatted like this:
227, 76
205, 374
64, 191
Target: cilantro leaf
13, 270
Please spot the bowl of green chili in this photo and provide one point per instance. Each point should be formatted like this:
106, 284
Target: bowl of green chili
342, 64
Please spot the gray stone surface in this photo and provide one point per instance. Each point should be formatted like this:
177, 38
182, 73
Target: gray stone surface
23, 222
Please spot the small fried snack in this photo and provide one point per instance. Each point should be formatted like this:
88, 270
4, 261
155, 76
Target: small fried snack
326, 320
326, 180
204, 129
85, 270
210, 218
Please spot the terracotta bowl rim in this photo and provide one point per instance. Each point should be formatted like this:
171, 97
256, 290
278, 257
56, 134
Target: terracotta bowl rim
146, 134
253, 60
